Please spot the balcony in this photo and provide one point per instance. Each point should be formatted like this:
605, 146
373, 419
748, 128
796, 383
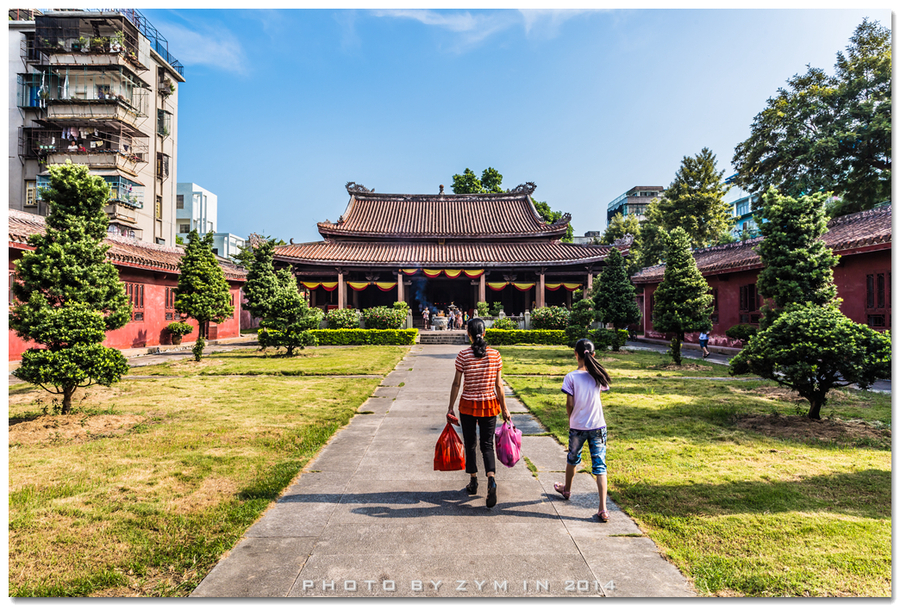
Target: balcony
98, 160
91, 111
125, 195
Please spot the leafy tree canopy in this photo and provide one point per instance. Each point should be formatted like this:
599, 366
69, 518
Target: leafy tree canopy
649, 247
619, 227
614, 293
289, 319
262, 284
825, 133
695, 201
797, 264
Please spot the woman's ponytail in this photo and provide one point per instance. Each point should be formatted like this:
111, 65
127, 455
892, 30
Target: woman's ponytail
476, 331
585, 350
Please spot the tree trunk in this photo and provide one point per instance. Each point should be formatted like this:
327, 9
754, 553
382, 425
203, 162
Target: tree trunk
68, 391
676, 348
815, 408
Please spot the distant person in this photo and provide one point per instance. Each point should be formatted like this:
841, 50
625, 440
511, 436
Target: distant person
478, 367
582, 388
704, 340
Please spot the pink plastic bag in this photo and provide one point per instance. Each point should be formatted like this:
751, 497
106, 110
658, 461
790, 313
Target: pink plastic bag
509, 444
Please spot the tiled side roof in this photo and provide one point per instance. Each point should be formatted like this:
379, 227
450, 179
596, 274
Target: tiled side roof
871, 228
451, 254
123, 250
375, 215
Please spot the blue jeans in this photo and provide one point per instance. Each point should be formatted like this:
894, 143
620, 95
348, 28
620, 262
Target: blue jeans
596, 440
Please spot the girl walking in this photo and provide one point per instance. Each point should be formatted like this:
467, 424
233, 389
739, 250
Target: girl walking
478, 367
582, 388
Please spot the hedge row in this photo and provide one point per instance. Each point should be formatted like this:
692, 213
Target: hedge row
359, 336
538, 337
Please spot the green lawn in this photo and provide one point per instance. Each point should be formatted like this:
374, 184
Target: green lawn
354, 360
744, 496
550, 360
148, 483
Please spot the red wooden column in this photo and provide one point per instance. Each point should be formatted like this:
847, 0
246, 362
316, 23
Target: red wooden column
481, 294
589, 284
342, 290
541, 294
400, 295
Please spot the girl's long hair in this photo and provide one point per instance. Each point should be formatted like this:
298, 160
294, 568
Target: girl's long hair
585, 350
475, 328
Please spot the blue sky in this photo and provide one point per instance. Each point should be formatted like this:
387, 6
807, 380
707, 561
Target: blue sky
282, 108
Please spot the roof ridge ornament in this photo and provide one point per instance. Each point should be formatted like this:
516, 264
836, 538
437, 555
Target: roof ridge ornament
562, 220
527, 188
353, 187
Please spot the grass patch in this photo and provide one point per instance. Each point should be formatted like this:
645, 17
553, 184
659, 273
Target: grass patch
747, 511
531, 466
355, 360
551, 360
142, 489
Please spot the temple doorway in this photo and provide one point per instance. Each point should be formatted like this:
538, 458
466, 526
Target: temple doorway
438, 294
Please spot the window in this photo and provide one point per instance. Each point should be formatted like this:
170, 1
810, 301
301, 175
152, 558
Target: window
163, 122
170, 303
749, 304
216, 251
184, 228
30, 193
162, 166
878, 299
179, 202
714, 317
159, 206
135, 294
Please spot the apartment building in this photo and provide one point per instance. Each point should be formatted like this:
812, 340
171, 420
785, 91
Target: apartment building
97, 87
198, 208
633, 202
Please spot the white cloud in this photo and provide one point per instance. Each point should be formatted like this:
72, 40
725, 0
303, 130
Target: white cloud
546, 23
210, 45
470, 29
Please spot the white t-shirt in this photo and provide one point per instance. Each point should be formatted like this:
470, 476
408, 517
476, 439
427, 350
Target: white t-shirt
588, 412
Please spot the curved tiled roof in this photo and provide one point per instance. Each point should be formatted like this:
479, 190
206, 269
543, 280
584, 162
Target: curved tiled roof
871, 228
123, 250
452, 254
449, 216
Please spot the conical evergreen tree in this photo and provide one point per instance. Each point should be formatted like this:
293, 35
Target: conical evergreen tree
694, 201
290, 318
614, 294
262, 284
649, 246
67, 293
797, 265
202, 291
683, 302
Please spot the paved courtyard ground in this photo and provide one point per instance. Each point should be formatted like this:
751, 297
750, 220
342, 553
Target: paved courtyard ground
370, 517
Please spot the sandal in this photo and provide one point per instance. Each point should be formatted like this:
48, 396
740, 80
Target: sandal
602, 516
561, 490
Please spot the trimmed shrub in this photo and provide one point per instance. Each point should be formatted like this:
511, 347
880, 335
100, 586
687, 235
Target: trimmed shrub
553, 317
536, 337
495, 308
580, 320
383, 318
359, 336
482, 308
504, 324
179, 329
342, 318
741, 332
401, 305
269, 337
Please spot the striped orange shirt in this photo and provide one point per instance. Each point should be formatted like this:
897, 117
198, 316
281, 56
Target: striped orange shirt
479, 374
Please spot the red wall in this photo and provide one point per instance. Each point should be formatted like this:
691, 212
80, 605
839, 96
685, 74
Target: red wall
849, 276
151, 331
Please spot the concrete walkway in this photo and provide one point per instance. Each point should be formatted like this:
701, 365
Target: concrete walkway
370, 517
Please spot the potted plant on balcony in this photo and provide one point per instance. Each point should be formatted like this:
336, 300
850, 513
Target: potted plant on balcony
99, 44
117, 42
177, 330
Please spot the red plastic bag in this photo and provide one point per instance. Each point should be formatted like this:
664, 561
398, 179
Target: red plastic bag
509, 444
449, 453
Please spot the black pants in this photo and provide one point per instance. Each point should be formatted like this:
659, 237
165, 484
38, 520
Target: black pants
486, 426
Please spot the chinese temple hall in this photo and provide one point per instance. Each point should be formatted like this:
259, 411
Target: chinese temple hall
436, 250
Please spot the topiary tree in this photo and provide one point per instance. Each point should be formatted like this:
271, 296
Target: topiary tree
202, 291
482, 309
261, 288
290, 318
504, 324
552, 317
67, 294
797, 265
580, 319
683, 302
813, 348
614, 294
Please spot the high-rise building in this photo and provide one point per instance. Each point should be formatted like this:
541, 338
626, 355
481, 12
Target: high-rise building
197, 208
100, 88
633, 202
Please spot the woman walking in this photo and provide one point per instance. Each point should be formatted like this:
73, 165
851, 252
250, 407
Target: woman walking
478, 367
582, 388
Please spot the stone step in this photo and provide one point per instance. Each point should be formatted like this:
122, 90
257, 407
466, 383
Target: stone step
444, 337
